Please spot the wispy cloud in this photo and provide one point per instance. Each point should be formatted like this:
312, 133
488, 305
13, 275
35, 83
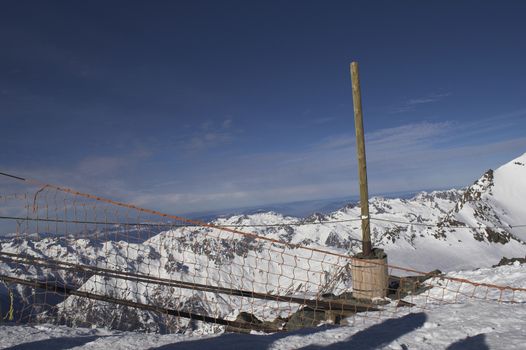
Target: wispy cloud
402, 158
385, 139
428, 99
210, 134
323, 120
413, 103
101, 165
336, 141
207, 140
407, 157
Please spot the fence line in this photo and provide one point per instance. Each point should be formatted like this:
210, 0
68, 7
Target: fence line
111, 257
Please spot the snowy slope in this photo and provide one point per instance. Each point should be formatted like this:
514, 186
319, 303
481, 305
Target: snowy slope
497, 199
446, 230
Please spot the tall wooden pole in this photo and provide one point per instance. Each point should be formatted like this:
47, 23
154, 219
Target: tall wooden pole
360, 151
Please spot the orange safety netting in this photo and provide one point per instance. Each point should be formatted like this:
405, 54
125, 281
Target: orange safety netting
82, 260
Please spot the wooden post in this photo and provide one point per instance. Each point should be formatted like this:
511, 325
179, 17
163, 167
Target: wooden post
360, 151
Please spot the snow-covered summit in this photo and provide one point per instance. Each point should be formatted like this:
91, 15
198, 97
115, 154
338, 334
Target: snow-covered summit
496, 202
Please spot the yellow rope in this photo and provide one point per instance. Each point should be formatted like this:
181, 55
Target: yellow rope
11, 311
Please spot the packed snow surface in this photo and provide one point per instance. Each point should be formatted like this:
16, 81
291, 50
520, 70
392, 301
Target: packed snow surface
464, 324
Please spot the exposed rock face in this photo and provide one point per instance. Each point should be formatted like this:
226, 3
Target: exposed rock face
510, 261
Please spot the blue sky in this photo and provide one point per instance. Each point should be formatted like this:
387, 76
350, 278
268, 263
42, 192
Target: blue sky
191, 106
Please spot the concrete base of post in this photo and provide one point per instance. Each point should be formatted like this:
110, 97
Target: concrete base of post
370, 278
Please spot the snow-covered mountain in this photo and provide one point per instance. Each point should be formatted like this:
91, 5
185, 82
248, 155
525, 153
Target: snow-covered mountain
496, 202
447, 230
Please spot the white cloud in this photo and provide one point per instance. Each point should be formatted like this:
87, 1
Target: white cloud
407, 157
227, 123
207, 140
101, 165
209, 135
323, 120
411, 104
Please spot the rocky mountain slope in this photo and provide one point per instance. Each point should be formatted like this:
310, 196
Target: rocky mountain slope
447, 230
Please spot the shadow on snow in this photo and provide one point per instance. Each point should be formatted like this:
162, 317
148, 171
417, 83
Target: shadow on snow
61, 343
370, 338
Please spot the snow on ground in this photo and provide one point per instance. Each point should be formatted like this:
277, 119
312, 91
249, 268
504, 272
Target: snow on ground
473, 325
466, 324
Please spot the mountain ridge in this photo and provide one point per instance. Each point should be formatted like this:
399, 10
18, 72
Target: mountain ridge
448, 230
